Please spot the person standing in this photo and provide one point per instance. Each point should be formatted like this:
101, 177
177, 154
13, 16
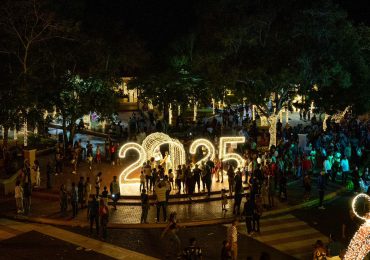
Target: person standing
248, 213
196, 175
36, 168
144, 206
18, 195
160, 192
74, 200
238, 193
321, 181
344, 163
232, 237
171, 231
97, 183
104, 217
257, 214
27, 188
81, 188
142, 180
98, 154
231, 176
87, 190
93, 215
115, 191
148, 175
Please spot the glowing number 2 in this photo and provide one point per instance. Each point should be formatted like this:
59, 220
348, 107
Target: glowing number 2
133, 166
209, 146
224, 155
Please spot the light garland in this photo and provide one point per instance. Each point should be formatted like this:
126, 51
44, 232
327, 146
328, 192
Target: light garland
195, 111
359, 246
224, 155
209, 146
133, 166
170, 115
272, 130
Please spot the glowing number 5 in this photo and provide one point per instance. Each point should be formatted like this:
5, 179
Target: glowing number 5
209, 146
224, 155
133, 166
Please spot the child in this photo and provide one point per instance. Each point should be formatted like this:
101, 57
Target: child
142, 180
223, 199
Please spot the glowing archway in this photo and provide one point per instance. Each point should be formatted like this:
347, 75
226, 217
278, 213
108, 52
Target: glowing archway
360, 243
176, 149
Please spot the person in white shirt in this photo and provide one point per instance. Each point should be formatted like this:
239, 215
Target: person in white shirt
344, 163
18, 195
327, 168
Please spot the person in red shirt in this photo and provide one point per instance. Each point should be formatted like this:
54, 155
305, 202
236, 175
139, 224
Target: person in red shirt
306, 165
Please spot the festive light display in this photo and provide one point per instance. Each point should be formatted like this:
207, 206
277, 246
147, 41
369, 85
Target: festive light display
133, 166
272, 129
286, 116
153, 141
213, 106
208, 145
359, 246
253, 112
224, 155
195, 111
170, 115
25, 133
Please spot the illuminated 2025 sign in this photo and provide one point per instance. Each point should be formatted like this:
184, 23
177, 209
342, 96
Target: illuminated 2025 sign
150, 148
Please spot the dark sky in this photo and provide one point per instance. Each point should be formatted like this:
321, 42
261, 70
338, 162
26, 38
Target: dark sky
157, 22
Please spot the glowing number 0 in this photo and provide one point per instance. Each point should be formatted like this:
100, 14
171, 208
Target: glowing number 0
209, 146
133, 166
224, 155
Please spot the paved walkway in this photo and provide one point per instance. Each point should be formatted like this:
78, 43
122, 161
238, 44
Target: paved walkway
9, 229
288, 234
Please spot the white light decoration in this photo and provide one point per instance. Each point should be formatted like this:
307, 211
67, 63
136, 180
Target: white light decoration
359, 246
311, 108
281, 116
264, 121
195, 111
170, 114
324, 124
253, 112
224, 155
176, 149
286, 116
272, 129
133, 166
178, 110
208, 145
213, 106
25, 134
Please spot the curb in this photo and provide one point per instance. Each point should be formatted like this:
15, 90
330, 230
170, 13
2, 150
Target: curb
217, 221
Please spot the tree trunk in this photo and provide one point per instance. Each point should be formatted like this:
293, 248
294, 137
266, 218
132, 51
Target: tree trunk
64, 135
5, 140
72, 132
272, 129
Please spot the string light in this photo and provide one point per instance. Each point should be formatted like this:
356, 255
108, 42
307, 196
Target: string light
133, 166
153, 141
272, 129
170, 115
195, 111
208, 145
359, 246
224, 155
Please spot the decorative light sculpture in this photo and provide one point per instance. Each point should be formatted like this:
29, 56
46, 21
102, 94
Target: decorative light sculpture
213, 106
253, 112
359, 246
170, 114
195, 111
133, 166
209, 146
224, 155
176, 149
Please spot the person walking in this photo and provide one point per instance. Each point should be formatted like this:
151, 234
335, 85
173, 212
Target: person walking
171, 231
74, 200
104, 217
93, 215
232, 237
160, 192
18, 195
321, 183
115, 191
145, 205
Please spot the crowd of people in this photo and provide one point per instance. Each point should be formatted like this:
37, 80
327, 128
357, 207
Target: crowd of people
336, 155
